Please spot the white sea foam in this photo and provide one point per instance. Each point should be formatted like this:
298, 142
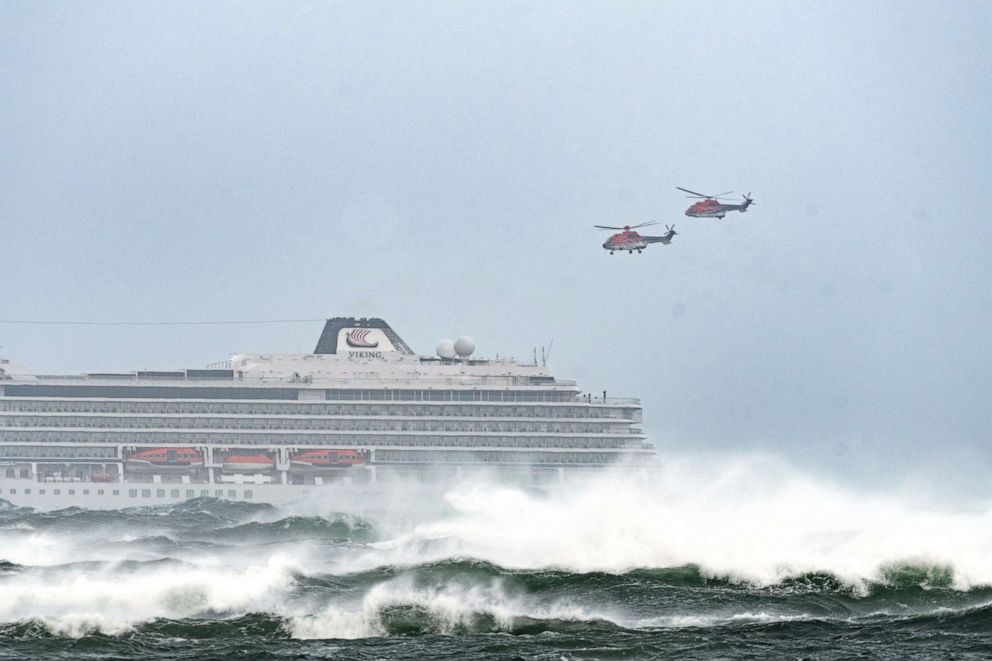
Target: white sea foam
447, 606
686, 621
108, 600
755, 520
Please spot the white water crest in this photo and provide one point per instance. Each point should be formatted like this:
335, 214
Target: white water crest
106, 599
756, 520
448, 606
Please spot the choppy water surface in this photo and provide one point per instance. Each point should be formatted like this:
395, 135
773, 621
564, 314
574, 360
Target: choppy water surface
747, 562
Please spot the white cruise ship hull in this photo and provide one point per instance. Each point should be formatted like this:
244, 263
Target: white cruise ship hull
56, 495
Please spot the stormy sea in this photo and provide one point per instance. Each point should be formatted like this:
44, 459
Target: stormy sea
751, 559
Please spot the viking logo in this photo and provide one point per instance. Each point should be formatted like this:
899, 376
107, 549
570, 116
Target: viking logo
357, 339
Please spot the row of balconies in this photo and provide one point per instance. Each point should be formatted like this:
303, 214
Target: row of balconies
21, 448
311, 424
419, 409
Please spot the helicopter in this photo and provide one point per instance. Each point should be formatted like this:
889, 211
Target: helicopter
629, 240
708, 207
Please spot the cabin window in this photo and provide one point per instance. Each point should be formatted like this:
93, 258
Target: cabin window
41, 491
86, 492
72, 492
175, 493
160, 493
13, 492
232, 494
99, 492
58, 492
133, 493
190, 493
146, 493
248, 494
116, 492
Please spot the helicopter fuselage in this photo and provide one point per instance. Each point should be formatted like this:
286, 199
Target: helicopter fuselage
713, 209
631, 241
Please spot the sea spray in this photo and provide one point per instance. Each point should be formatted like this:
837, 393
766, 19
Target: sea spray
755, 520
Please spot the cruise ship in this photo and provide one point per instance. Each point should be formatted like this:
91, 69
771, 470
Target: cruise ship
361, 411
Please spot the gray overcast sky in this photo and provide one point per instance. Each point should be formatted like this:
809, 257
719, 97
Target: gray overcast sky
442, 164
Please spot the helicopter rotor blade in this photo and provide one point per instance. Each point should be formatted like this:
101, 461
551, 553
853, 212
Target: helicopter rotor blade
650, 222
607, 227
708, 197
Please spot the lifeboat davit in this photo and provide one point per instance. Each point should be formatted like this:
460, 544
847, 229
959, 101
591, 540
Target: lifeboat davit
165, 458
248, 463
329, 458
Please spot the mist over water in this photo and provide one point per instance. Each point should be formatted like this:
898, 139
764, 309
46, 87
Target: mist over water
733, 549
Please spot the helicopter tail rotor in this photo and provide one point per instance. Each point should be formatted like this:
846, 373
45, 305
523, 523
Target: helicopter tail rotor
747, 202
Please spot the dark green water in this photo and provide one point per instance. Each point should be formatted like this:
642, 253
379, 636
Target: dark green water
210, 579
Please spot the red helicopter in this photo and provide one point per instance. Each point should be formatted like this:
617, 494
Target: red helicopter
629, 240
708, 207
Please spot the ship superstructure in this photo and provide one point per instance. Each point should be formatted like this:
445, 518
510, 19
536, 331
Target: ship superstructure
362, 409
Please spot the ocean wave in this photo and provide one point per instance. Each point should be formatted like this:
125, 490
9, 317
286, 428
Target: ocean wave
406, 605
452, 597
757, 521
288, 529
199, 513
744, 548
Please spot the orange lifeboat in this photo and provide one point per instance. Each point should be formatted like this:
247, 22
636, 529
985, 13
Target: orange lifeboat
165, 458
329, 458
248, 463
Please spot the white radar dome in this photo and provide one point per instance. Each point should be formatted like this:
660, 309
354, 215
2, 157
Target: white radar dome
464, 346
446, 349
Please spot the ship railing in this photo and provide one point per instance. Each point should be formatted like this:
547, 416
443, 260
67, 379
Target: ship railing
608, 401
241, 441
378, 382
390, 381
